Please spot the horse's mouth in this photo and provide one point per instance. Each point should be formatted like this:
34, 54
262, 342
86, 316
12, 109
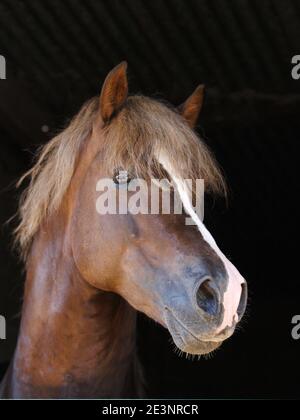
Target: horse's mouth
185, 340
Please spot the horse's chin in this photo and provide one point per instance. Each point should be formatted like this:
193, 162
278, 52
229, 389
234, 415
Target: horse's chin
194, 346
186, 341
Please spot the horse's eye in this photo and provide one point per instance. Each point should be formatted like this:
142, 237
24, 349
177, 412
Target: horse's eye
121, 177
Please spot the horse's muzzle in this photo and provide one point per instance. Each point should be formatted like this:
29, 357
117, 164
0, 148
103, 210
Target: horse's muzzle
196, 319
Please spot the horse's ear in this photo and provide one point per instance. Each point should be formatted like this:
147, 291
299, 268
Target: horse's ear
191, 108
114, 91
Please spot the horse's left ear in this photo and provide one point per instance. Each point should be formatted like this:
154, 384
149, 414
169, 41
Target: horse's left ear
191, 108
114, 91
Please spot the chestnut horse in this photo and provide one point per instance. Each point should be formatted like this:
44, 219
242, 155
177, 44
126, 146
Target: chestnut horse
88, 274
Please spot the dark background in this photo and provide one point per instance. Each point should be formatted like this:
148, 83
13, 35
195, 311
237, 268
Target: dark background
57, 55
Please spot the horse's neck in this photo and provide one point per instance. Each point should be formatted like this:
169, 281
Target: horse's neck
75, 341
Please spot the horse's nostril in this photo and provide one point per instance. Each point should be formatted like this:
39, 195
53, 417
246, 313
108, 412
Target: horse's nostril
243, 301
207, 298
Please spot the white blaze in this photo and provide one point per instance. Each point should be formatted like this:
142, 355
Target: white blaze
233, 292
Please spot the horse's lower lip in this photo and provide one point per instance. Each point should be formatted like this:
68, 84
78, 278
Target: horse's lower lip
185, 339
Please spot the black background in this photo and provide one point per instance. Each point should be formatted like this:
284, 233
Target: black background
57, 55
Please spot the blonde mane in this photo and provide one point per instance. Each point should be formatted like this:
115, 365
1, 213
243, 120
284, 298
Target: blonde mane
140, 130
51, 175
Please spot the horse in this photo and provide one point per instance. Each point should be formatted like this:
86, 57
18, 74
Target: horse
87, 275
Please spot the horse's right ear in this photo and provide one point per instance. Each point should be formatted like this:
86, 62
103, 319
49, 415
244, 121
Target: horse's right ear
191, 108
114, 91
